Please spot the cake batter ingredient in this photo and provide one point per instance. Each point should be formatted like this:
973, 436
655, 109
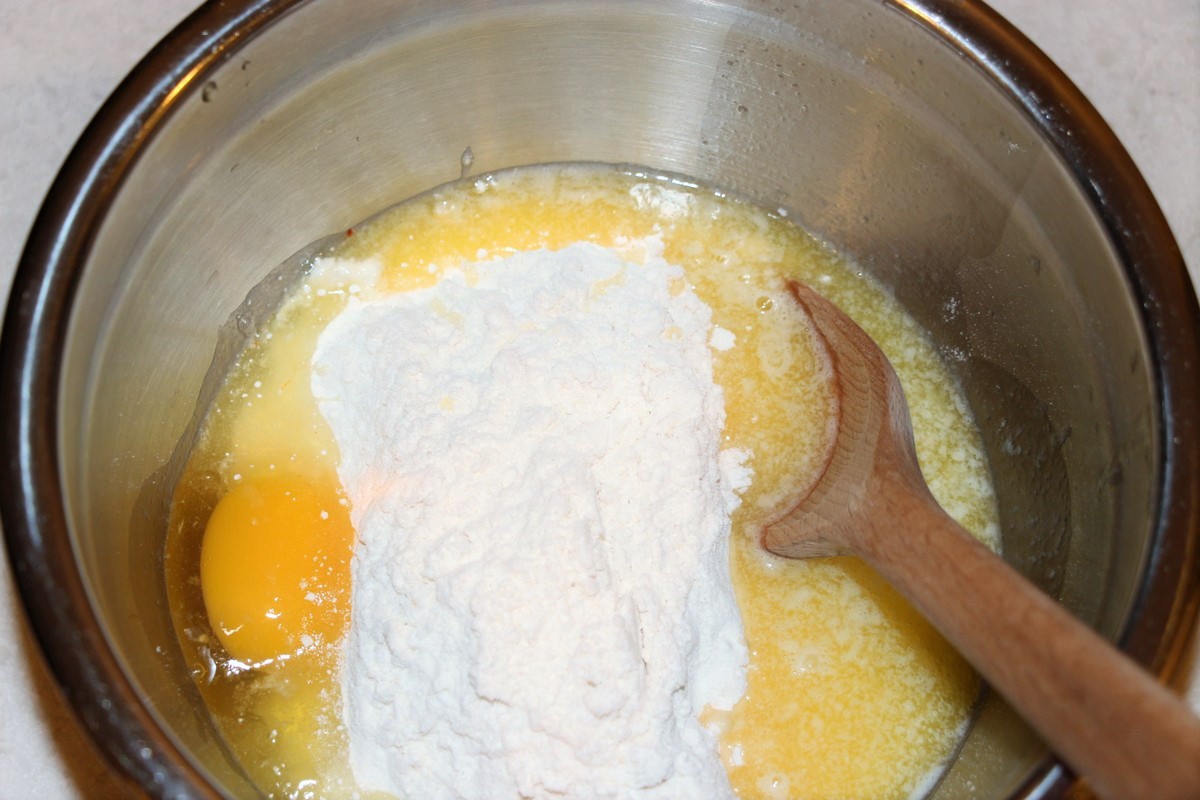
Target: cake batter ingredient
542, 602
849, 693
275, 568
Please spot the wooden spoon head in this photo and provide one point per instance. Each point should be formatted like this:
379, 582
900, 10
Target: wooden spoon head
872, 443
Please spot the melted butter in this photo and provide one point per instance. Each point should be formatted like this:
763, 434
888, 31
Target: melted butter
850, 693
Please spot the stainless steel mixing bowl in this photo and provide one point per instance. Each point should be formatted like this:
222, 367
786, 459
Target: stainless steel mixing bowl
925, 138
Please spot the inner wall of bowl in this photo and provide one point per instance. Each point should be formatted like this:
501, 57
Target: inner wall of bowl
875, 134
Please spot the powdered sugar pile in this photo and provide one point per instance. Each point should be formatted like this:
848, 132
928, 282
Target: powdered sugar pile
541, 601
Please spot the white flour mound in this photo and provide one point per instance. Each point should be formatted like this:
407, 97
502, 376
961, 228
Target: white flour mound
541, 600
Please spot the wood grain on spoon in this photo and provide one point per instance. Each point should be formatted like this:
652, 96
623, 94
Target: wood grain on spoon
1128, 736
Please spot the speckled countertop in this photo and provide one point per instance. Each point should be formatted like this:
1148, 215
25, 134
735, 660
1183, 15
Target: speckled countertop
1138, 62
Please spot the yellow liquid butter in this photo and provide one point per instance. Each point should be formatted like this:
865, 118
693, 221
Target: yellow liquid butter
850, 693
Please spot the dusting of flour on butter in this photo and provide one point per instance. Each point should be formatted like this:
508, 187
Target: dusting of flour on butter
541, 602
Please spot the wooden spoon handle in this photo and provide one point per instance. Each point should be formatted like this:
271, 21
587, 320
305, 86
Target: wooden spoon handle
1106, 717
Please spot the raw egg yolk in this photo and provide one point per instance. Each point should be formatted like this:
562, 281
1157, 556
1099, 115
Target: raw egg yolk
275, 568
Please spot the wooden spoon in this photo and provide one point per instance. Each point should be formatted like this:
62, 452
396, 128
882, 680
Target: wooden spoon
1109, 720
